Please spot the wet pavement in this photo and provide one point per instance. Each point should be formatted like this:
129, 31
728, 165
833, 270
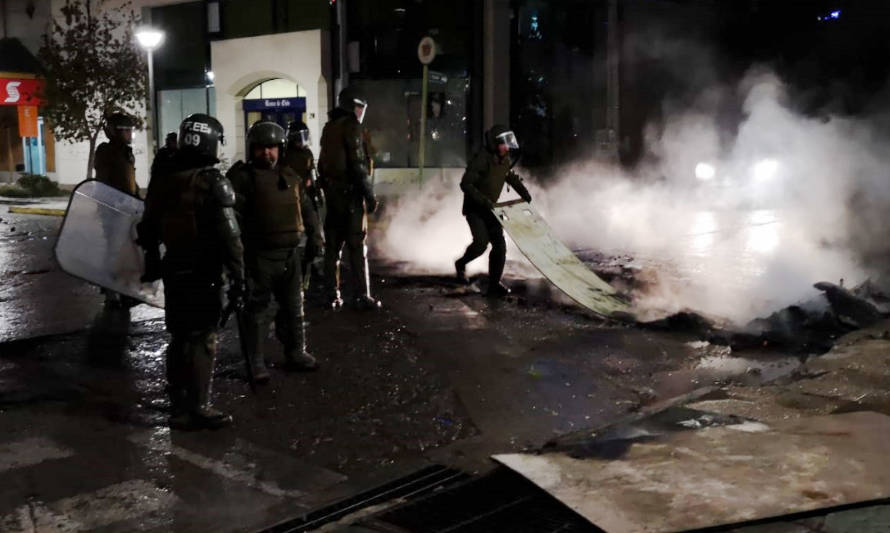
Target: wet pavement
440, 375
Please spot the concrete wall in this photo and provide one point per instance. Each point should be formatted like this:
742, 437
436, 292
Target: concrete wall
238, 64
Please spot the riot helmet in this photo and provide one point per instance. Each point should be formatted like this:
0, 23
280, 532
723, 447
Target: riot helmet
350, 99
266, 133
298, 133
500, 134
201, 134
119, 126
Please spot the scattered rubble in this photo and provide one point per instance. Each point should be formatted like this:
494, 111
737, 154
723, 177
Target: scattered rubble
807, 328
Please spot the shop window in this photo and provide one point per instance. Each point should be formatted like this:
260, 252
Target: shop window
176, 104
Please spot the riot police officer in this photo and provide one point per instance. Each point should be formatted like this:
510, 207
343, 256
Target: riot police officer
116, 166
298, 156
114, 161
273, 215
191, 211
343, 172
482, 184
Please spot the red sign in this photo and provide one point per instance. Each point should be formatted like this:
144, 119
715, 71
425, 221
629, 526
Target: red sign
14, 91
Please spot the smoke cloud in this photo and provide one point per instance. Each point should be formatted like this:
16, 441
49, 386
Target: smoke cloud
734, 228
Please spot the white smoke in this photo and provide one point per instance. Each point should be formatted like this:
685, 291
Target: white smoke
773, 217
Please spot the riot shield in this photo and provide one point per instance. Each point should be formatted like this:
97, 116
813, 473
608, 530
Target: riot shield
556, 262
97, 242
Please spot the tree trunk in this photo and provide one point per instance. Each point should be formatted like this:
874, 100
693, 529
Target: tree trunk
92, 157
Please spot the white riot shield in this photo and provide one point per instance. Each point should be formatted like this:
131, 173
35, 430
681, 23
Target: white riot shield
556, 262
97, 242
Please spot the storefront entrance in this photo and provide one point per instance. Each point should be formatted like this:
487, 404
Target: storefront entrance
279, 110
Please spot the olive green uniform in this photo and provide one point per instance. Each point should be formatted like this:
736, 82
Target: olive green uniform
116, 166
343, 171
482, 184
191, 211
300, 159
273, 216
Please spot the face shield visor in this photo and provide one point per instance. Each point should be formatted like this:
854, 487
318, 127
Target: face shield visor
507, 138
300, 137
361, 107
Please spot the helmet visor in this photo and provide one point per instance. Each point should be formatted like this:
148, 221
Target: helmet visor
300, 136
508, 138
360, 115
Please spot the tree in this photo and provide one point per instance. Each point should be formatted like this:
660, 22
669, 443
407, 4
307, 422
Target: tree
92, 68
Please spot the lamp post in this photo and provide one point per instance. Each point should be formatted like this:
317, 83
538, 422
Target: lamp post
150, 39
208, 83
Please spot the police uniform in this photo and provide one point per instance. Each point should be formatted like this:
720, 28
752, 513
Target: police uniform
271, 211
343, 172
300, 159
482, 184
191, 211
114, 161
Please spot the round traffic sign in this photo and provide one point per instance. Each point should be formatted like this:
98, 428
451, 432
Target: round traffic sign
426, 50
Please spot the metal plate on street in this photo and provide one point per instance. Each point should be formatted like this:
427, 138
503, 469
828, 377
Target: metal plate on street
556, 261
717, 476
97, 242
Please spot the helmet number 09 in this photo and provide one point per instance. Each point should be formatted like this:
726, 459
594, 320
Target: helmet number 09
192, 139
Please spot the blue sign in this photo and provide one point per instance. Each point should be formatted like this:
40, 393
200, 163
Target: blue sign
265, 104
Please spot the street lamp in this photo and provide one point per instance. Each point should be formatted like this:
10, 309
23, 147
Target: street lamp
150, 39
208, 83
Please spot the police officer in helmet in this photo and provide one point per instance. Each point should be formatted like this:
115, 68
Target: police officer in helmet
116, 166
275, 223
298, 156
191, 211
482, 183
343, 170
114, 161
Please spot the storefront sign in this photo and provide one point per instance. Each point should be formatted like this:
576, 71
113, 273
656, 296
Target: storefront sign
28, 121
260, 104
15, 91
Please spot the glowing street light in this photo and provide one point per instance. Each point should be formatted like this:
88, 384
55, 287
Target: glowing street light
150, 39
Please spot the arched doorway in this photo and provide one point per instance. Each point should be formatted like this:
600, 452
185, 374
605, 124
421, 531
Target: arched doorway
278, 100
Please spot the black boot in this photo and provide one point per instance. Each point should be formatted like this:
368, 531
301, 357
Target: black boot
358, 260
204, 415
254, 343
497, 290
297, 358
460, 269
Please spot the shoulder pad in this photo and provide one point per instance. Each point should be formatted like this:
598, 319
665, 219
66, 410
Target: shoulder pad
220, 186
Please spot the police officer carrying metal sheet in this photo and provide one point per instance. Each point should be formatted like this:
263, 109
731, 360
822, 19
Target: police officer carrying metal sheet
190, 209
275, 221
482, 184
343, 172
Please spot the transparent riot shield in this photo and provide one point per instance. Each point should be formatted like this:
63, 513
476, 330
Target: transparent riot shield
556, 262
97, 242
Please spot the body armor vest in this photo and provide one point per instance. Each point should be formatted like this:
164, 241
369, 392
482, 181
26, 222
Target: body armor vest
275, 220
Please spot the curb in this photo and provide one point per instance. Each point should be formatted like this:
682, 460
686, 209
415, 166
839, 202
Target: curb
37, 211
